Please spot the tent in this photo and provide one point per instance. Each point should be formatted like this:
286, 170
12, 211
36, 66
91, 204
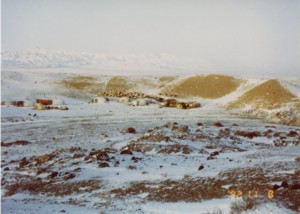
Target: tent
8, 103
28, 103
140, 102
98, 100
58, 102
44, 102
38, 106
124, 100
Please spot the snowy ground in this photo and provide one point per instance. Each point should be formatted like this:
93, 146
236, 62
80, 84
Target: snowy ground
179, 161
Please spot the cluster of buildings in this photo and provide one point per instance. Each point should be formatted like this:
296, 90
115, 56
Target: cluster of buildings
171, 103
39, 104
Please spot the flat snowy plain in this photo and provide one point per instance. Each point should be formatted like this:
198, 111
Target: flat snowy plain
84, 160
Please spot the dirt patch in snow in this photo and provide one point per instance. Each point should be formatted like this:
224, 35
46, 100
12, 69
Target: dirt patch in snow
211, 86
16, 143
187, 189
258, 182
58, 189
247, 183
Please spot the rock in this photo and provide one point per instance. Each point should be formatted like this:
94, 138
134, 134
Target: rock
210, 158
131, 130
199, 124
53, 175
102, 156
218, 124
23, 162
69, 176
87, 158
201, 167
6, 169
117, 163
135, 159
126, 152
284, 184
131, 167
77, 169
214, 153
75, 156
180, 129
250, 135
45, 158
103, 165
292, 134
170, 124
275, 187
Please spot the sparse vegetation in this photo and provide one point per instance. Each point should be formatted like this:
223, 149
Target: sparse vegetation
246, 204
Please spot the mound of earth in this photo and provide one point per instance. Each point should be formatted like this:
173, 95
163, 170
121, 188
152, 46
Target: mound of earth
269, 95
83, 84
118, 83
211, 86
163, 80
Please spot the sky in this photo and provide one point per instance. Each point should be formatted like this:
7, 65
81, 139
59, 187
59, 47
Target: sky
251, 36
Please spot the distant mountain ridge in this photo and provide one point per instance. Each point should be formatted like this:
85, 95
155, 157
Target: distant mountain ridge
46, 58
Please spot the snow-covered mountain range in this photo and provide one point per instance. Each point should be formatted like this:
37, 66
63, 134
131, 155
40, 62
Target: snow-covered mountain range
46, 58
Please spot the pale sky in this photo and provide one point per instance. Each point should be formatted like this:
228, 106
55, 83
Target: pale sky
259, 36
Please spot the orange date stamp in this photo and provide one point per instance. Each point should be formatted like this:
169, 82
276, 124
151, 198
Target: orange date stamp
251, 194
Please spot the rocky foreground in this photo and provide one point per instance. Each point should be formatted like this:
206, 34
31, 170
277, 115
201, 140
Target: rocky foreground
169, 163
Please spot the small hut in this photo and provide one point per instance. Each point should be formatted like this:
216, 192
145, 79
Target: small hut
140, 102
20, 103
38, 106
8, 103
44, 102
193, 105
98, 100
28, 103
124, 100
58, 102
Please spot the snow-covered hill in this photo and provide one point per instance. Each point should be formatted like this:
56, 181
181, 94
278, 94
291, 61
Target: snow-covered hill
45, 58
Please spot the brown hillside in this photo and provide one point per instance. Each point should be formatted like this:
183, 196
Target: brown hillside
211, 86
79, 82
163, 80
118, 83
268, 95
83, 84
